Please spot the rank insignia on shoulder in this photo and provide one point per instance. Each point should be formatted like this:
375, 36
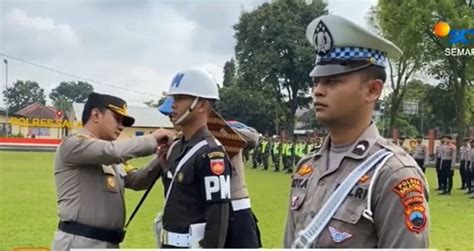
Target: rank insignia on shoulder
361, 147
339, 236
217, 166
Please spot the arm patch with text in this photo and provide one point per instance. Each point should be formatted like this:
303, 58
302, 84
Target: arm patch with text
215, 172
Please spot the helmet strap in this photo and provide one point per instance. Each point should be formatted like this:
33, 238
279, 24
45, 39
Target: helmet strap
190, 109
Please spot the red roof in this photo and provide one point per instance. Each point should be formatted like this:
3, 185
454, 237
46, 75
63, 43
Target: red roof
39, 111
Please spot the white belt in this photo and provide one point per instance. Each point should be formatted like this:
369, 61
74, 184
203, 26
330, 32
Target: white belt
175, 239
241, 204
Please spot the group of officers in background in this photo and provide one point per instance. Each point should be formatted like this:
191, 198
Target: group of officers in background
282, 151
286, 153
445, 160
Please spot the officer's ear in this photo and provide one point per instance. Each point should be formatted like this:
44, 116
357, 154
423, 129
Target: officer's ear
96, 115
374, 90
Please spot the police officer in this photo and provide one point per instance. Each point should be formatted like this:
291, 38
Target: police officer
448, 159
439, 150
331, 205
276, 153
463, 167
91, 172
197, 171
243, 230
470, 170
421, 153
265, 148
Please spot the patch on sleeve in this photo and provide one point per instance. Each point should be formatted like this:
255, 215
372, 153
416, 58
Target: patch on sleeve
217, 154
217, 166
410, 191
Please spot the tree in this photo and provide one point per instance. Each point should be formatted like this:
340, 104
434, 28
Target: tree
229, 73
400, 22
251, 107
274, 57
22, 94
72, 92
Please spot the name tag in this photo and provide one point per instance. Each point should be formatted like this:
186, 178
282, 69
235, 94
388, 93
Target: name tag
108, 170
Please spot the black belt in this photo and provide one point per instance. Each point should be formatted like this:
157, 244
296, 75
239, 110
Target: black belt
112, 236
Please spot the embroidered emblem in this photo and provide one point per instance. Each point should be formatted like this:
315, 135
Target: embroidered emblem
338, 236
361, 147
217, 166
408, 186
322, 39
415, 218
305, 170
111, 182
180, 177
217, 154
410, 191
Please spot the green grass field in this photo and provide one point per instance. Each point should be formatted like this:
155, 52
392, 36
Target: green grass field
28, 207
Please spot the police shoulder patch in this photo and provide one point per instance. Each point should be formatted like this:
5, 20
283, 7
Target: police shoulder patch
217, 166
410, 191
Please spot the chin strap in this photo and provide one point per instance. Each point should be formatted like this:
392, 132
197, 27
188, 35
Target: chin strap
190, 109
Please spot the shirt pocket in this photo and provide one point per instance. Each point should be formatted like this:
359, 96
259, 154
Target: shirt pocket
185, 176
109, 179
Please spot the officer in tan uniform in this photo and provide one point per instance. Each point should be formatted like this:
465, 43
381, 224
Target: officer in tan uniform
358, 190
448, 159
463, 167
421, 153
91, 172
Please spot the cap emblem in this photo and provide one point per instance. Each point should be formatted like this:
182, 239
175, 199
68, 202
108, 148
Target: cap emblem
322, 39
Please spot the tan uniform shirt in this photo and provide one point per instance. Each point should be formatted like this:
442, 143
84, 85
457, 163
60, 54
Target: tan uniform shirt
421, 152
399, 200
464, 150
448, 152
90, 183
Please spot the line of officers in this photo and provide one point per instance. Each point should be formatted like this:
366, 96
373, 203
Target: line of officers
445, 158
282, 151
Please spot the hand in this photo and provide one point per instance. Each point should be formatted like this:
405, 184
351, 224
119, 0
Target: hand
161, 152
162, 136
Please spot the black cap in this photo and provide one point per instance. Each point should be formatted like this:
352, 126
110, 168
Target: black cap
447, 136
115, 104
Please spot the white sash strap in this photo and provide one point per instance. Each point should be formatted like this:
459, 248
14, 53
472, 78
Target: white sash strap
319, 222
186, 157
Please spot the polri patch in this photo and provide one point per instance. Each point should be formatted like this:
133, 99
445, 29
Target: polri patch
410, 191
409, 187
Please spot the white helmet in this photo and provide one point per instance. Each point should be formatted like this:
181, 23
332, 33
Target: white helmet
194, 82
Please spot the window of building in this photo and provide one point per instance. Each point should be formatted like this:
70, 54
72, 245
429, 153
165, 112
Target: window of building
5, 128
38, 131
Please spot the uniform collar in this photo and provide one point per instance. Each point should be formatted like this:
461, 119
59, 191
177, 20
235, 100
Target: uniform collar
360, 147
84, 131
200, 134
